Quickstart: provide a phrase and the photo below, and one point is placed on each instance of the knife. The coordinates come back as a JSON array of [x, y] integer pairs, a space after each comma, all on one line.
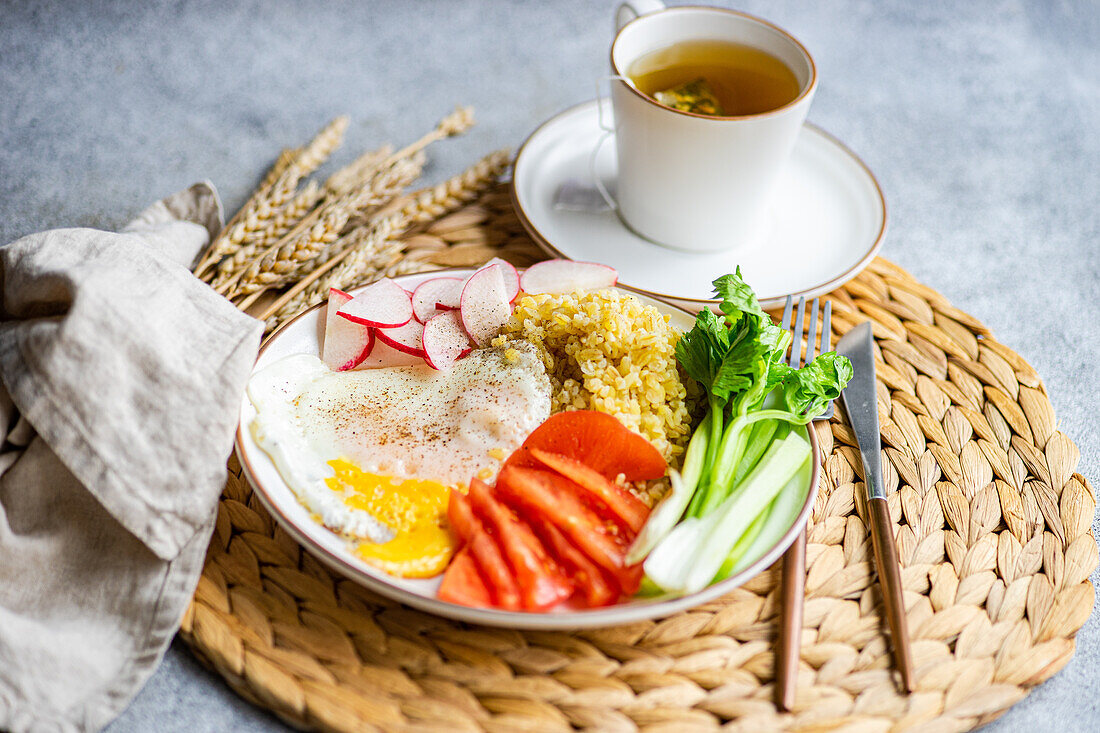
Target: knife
[[861, 404]]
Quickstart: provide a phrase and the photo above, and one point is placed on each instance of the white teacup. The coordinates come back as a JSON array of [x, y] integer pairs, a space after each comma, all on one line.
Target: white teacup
[[694, 182]]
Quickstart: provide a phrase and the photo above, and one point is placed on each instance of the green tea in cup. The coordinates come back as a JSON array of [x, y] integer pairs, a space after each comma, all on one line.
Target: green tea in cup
[[715, 77]]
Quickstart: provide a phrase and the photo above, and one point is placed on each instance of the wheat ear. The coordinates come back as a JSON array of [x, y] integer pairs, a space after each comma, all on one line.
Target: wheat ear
[[307, 240], [423, 207], [360, 262], [280, 225], [286, 157], [358, 172], [293, 257], [270, 197], [456, 123], [217, 246]]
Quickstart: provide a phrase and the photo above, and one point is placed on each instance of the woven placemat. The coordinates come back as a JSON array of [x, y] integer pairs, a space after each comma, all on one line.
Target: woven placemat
[[993, 536]]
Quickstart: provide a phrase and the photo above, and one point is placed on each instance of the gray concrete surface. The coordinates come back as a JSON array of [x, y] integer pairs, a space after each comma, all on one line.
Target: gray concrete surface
[[981, 121]]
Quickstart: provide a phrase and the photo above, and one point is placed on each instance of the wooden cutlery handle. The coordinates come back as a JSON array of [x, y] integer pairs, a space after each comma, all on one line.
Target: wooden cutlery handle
[[790, 629], [889, 573]]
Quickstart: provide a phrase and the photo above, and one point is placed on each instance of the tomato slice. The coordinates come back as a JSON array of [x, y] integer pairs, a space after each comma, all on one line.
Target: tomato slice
[[460, 516], [627, 509], [490, 562], [541, 582], [545, 495], [597, 440], [463, 584], [630, 579], [587, 576]]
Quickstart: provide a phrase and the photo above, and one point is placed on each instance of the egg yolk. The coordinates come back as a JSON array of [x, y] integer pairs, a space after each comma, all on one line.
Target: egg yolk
[[415, 509]]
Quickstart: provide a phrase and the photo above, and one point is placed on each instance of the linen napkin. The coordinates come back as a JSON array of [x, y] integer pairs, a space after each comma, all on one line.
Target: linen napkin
[[120, 382]]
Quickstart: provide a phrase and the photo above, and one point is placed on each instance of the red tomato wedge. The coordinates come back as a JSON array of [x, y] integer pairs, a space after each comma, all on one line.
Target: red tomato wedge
[[543, 495], [485, 551], [541, 582], [597, 440], [587, 576], [630, 579], [463, 584], [627, 509], [461, 517]]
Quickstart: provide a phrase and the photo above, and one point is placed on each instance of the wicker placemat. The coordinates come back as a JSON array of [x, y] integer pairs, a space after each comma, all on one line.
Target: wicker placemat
[[993, 535]]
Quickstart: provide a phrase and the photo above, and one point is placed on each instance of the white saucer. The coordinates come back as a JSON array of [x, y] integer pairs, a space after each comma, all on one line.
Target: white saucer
[[828, 218]]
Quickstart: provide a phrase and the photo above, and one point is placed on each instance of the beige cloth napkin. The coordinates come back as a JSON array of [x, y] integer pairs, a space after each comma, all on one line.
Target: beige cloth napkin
[[120, 382]]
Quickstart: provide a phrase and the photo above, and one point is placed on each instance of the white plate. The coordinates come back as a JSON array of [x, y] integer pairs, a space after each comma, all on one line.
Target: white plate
[[827, 220], [303, 336]]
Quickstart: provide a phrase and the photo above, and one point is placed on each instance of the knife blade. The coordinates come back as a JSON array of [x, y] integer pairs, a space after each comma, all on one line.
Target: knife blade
[[861, 403]]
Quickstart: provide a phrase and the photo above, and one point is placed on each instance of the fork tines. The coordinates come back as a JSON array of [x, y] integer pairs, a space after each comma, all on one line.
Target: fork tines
[[792, 321]]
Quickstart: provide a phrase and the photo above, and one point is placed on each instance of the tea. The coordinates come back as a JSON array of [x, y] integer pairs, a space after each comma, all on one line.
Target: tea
[[715, 78]]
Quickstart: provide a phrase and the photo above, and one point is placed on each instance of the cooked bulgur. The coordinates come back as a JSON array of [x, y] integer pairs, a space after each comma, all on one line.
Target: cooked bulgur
[[607, 351]]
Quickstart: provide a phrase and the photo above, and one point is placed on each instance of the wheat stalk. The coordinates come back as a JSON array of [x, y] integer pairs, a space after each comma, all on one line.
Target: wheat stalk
[[377, 245], [434, 202], [287, 218], [286, 157], [456, 123], [269, 198], [357, 267], [358, 172], [219, 246], [307, 245], [344, 181], [322, 146], [366, 259], [264, 231], [272, 196], [295, 256]]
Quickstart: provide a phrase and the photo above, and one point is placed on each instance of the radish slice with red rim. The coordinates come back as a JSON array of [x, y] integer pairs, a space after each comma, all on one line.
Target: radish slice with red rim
[[382, 304], [510, 275], [430, 294], [384, 355], [408, 338], [346, 343], [445, 341], [485, 307], [555, 277]]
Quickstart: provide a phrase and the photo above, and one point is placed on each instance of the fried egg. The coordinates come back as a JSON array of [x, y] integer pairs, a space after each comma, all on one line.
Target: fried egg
[[374, 453]]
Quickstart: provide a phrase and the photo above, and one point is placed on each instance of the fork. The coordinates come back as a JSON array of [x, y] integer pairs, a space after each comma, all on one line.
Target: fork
[[794, 560]]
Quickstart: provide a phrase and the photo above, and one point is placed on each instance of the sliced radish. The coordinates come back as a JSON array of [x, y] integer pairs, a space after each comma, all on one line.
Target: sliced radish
[[430, 293], [565, 276], [445, 341], [407, 338], [346, 344], [485, 307], [383, 304], [384, 355], [511, 277]]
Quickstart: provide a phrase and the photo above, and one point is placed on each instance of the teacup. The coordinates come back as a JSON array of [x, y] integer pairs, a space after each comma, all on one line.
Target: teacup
[[690, 181]]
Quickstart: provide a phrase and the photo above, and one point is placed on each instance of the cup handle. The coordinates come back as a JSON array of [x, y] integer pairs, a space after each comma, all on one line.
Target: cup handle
[[596, 180], [631, 9], [599, 97]]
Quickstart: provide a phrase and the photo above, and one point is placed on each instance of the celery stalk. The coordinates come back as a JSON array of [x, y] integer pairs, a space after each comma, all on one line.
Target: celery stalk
[[760, 487], [743, 544], [690, 556], [760, 437], [777, 520], [683, 487]]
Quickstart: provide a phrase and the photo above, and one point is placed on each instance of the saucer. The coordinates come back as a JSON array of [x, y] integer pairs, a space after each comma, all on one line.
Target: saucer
[[826, 223]]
